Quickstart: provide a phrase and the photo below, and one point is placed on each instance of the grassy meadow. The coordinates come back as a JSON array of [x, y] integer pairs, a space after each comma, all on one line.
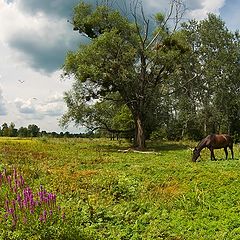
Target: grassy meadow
[[104, 193]]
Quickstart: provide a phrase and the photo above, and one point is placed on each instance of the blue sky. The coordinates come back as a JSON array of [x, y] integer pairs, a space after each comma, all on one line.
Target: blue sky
[[230, 14], [34, 39]]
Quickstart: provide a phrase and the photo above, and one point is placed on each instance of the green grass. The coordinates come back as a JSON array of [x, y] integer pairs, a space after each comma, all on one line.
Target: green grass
[[107, 194]]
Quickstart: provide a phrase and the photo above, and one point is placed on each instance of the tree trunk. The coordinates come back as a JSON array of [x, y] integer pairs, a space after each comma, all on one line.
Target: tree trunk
[[139, 132]]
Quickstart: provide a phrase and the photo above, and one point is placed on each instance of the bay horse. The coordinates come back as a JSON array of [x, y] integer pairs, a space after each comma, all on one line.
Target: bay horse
[[214, 141]]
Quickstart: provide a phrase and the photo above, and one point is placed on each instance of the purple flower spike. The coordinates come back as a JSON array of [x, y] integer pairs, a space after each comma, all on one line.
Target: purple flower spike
[[45, 215], [19, 197], [22, 181], [11, 211], [9, 179], [14, 204], [7, 205]]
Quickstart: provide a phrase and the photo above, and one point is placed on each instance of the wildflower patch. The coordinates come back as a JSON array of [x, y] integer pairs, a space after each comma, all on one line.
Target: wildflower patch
[[20, 205]]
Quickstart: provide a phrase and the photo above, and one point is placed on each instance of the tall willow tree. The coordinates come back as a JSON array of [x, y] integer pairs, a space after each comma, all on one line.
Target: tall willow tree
[[125, 56]]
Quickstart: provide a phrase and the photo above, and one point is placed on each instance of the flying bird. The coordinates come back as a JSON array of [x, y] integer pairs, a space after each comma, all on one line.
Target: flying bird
[[21, 81]]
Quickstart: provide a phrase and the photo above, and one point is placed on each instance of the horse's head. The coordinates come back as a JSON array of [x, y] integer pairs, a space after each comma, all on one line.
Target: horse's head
[[196, 154]]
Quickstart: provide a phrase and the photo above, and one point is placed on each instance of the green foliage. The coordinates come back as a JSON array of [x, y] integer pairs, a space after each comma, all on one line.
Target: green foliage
[[212, 96], [10, 131], [160, 18], [94, 22]]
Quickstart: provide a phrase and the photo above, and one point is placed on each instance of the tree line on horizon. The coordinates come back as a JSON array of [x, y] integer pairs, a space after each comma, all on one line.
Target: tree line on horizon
[[32, 130]]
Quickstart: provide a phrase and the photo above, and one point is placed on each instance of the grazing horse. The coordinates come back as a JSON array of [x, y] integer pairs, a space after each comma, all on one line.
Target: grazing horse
[[214, 141]]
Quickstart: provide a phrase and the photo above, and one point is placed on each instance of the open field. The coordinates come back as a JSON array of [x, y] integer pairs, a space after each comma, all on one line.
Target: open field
[[107, 194]]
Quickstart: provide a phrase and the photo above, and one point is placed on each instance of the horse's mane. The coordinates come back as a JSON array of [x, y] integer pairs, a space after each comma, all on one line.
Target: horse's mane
[[202, 142]]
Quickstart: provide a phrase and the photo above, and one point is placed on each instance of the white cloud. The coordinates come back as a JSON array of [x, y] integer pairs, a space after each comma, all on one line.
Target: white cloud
[[54, 106], [25, 106], [57, 97], [197, 9], [207, 6], [3, 110], [51, 109], [36, 39]]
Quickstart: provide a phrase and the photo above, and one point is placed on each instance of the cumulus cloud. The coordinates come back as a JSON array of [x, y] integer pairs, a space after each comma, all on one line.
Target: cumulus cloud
[[51, 109], [25, 106], [57, 97], [200, 8], [60, 8], [193, 4], [53, 106], [40, 39]]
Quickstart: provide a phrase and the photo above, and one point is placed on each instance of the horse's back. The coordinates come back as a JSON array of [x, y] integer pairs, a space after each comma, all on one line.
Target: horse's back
[[220, 140]]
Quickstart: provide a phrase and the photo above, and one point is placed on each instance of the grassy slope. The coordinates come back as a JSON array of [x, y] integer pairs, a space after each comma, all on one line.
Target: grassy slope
[[115, 195]]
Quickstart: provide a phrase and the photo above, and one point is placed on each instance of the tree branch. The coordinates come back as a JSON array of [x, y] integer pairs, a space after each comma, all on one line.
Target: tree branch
[[183, 86], [177, 5]]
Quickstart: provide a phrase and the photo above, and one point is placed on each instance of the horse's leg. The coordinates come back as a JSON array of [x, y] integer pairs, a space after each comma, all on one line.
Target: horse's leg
[[231, 148], [226, 152], [212, 154]]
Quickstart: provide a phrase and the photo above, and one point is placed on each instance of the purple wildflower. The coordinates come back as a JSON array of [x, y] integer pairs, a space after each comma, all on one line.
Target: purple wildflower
[[11, 211], [19, 205], [50, 212], [45, 215], [9, 179], [19, 200], [7, 205], [21, 181]]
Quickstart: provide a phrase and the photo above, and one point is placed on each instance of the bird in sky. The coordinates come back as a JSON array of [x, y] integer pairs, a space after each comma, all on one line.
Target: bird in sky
[[21, 81]]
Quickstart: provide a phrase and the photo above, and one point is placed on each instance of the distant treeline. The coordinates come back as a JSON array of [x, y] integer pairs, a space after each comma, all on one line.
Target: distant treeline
[[33, 130]]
